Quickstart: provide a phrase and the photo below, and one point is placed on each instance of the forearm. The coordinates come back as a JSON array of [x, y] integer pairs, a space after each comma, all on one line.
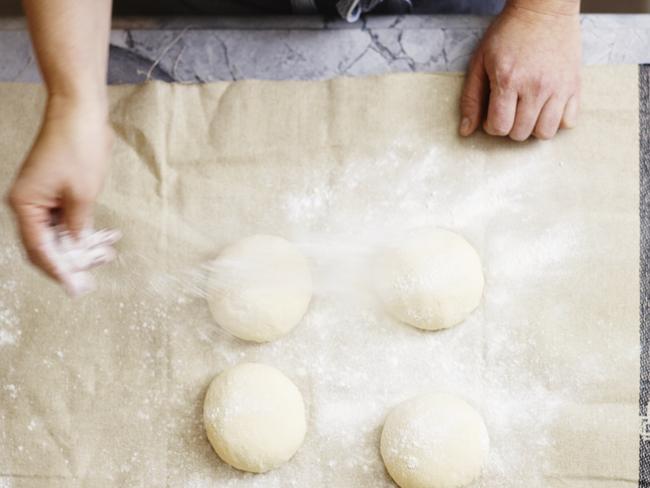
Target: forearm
[[70, 38], [548, 7]]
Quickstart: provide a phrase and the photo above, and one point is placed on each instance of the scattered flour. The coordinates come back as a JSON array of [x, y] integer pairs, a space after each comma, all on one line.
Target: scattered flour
[[352, 363], [10, 330]]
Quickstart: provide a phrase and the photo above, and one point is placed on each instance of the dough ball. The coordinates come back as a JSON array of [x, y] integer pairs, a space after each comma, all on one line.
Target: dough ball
[[259, 288], [254, 417], [432, 279], [434, 441]]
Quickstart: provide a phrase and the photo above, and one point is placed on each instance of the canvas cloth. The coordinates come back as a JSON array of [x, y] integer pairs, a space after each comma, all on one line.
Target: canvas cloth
[[106, 391]]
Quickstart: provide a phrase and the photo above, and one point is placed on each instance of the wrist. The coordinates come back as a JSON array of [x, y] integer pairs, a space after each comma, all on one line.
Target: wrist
[[93, 107], [546, 7]]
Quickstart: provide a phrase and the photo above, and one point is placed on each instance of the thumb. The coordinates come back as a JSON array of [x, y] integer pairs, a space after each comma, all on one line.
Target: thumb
[[77, 214], [472, 99], [570, 116]]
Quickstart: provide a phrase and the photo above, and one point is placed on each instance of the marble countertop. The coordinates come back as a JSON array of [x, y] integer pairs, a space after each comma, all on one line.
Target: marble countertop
[[194, 50]]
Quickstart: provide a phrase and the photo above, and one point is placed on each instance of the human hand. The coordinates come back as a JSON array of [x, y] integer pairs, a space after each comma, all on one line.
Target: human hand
[[61, 177], [74, 257], [524, 78]]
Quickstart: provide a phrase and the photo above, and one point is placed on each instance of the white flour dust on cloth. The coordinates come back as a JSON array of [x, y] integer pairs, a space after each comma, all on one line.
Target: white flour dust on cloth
[[353, 363], [10, 330]]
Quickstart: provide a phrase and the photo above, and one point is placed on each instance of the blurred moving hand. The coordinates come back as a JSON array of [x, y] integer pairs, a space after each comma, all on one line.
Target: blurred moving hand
[[524, 78], [61, 176], [57, 184]]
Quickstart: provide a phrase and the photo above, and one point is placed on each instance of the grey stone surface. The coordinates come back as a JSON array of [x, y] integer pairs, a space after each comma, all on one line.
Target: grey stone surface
[[207, 49]]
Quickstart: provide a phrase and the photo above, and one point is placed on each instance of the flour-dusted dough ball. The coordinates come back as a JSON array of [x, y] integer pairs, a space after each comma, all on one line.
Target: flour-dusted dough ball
[[431, 279], [259, 288], [434, 440], [254, 417]]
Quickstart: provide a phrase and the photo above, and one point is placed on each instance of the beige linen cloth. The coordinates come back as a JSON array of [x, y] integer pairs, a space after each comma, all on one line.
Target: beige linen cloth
[[106, 391]]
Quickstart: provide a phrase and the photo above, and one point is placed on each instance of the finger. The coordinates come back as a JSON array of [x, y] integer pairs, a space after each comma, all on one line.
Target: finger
[[77, 215], [104, 237], [528, 110], [472, 100], [550, 117], [93, 258], [78, 284], [570, 116], [37, 238], [501, 111]]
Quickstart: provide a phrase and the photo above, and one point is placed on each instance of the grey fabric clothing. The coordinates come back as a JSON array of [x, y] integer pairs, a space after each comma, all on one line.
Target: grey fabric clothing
[[350, 10], [304, 6], [475, 7]]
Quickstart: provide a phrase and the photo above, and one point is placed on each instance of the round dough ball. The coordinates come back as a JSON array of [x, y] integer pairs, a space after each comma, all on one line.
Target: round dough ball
[[259, 288], [431, 280], [434, 440], [254, 417]]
